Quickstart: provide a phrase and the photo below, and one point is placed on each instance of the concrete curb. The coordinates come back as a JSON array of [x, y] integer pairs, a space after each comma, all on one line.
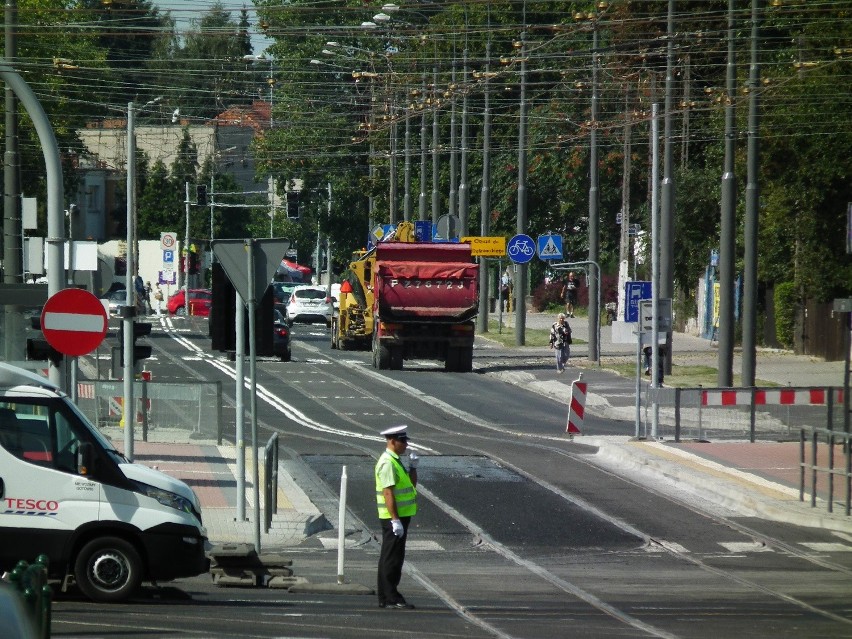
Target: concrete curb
[[741, 492]]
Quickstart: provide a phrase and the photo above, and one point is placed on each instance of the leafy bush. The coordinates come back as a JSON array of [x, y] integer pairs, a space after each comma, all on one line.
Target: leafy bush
[[547, 296], [785, 313]]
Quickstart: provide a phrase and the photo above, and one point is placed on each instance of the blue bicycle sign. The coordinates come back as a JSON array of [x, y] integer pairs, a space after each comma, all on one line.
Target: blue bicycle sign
[[521, 249]]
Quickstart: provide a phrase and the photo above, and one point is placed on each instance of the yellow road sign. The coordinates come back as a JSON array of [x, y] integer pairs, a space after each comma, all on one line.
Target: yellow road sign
[[486, 246]]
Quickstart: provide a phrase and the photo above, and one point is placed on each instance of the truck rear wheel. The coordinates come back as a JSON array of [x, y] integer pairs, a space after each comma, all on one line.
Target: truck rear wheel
[[108, 569], [396, 358], [451, 364], [465, 359]]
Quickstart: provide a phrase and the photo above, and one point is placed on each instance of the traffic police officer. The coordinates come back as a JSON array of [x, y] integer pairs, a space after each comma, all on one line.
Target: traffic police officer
[[396, 499]]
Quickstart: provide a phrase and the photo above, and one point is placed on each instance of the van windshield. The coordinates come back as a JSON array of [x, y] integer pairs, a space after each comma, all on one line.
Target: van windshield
[[47, 433]]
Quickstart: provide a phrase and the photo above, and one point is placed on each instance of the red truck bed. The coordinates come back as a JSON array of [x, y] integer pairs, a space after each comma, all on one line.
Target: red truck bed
[[426, 282]]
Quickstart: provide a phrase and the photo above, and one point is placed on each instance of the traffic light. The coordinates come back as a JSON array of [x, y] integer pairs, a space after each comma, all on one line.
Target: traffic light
[[39, 350], [140, 351], [201, 194], [293, 205]]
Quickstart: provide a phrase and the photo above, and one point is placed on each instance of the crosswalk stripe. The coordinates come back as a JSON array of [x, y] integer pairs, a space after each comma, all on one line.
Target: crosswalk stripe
[[826, 546]]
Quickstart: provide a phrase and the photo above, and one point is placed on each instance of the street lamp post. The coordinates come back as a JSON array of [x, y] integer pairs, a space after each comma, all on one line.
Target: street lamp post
[[129, 310]]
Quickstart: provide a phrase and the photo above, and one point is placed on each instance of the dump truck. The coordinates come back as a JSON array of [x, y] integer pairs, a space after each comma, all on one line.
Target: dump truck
[[410, 300]]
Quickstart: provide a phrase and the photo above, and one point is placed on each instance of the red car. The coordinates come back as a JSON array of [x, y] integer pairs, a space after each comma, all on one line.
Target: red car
[[200, 300]]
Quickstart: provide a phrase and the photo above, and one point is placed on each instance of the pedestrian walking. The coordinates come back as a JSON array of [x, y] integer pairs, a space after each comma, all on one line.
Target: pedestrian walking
[[396, 498], [560, 341], [148, 297], [158, 299], [569, 294]]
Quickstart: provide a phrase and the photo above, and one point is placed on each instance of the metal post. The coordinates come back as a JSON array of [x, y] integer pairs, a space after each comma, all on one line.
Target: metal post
[[655, 269], [520, 288], [240, 417], [53, 170], [421, 201], [749, 354], [406, 197], [130, 309], [464, 196], [453, 197], [667, 193], [252, 303], [594, 196], [727, 247], [186, 253], [638, 393], [341, 526], [393, 203], [485, 200], [436, 158]]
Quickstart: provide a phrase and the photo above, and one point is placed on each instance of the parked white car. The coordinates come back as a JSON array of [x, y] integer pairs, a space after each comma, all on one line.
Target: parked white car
[[309, 304]]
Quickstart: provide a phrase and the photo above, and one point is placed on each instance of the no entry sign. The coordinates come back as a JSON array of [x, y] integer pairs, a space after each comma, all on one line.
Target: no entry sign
[[74, 322]]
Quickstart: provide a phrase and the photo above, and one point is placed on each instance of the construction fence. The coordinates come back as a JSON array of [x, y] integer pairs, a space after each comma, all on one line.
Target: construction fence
[[174, 408], [771, 414]]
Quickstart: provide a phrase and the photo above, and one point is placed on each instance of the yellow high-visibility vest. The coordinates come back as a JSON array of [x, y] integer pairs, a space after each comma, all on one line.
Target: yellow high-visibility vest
[[403, 491]]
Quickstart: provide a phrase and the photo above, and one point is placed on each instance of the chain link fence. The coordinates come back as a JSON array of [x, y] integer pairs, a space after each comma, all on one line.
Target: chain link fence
[[188, 410]]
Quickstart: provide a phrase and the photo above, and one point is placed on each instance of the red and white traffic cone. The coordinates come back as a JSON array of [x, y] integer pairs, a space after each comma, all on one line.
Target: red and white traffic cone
[[577, 409]]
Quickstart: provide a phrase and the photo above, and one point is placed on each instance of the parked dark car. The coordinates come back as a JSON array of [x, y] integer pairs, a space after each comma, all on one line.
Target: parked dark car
[[281, 337]]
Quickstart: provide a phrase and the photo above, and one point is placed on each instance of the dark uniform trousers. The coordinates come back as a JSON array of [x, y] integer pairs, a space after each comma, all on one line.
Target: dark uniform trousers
[[390, 562]]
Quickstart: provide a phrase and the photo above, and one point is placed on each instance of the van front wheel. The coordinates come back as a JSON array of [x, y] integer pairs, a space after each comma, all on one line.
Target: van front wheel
[[108, 569]]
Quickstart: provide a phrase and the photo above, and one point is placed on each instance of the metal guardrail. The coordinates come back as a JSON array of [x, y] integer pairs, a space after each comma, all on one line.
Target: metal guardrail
[[746, 413], [270, 487], [812, 466]]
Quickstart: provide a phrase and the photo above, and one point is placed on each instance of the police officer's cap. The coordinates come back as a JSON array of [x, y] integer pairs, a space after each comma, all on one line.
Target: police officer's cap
[[396, 432]]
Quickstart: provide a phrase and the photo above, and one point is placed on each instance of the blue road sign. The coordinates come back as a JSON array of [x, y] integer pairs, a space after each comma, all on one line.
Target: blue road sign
[[550, 247], [423, 230], [521, 249], [168, 257], [635, 292]]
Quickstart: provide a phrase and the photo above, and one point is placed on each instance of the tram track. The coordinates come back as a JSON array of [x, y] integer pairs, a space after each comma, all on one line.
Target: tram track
[[481, 441]]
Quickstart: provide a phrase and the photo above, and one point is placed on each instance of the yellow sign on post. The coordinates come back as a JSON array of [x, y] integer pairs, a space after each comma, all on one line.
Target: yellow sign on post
[[486, 246]]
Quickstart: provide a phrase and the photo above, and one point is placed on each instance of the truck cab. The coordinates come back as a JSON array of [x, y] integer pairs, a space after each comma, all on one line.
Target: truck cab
[[105, 524]]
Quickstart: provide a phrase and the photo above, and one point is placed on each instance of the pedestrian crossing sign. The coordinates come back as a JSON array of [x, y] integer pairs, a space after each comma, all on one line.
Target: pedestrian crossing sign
[[550, 247]]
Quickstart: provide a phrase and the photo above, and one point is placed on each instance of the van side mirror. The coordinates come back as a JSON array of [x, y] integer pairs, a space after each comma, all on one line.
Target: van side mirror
[[85, 459]]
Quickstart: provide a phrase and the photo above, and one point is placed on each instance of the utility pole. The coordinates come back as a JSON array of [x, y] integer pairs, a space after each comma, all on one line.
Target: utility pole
[[129, 406], [11, 252], [520, 280], [624, 239], [728, 227], [594, 233], [406, 201], [668, 189], [421, 202], [436, 158], [752, 214], [485, 194], [453, 199], [464, 196]]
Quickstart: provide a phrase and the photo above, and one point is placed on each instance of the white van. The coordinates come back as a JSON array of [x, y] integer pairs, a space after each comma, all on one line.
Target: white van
[[66, 492]]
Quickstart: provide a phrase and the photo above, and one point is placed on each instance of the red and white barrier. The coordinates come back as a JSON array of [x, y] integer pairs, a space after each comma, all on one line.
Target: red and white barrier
[[772, 397], [577, 409]]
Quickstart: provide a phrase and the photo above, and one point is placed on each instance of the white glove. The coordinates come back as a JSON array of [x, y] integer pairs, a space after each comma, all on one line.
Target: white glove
[[413, 459], [398, 530]]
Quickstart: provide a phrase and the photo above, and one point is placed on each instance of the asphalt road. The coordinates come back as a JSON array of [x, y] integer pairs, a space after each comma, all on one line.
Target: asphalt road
[[519, 533]]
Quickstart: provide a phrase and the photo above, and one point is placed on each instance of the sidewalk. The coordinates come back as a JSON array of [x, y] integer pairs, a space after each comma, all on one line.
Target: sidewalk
[[754, 479]]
